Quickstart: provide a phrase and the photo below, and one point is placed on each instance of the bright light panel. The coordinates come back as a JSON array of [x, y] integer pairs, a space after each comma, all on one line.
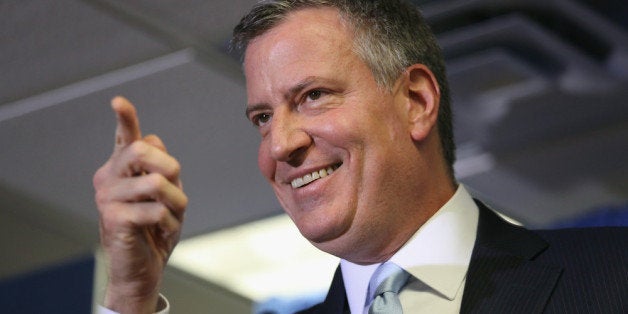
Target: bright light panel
[[258, 260]]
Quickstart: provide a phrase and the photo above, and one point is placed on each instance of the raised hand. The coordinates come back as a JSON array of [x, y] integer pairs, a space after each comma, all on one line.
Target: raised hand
[[141, 205]]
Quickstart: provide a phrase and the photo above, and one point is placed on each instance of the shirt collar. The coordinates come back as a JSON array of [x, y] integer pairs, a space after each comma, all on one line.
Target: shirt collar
[[438, 254]]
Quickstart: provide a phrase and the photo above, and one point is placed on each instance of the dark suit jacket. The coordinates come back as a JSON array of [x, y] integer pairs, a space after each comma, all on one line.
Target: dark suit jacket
[[514, 270]]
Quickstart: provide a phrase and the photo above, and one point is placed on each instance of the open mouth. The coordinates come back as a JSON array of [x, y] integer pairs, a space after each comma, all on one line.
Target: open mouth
[[311, 177]]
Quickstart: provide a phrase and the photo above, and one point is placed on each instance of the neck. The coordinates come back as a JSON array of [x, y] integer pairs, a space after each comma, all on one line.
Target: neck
[[405, 226]]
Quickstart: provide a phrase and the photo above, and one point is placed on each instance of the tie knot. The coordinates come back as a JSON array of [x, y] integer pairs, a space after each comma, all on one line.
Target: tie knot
[[388, 277], [385, 283]]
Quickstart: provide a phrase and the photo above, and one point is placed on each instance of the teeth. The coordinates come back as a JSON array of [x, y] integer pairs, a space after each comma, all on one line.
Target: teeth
[[322, 173], [308, 178]]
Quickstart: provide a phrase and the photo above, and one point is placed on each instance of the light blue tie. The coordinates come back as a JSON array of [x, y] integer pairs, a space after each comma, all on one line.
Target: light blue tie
[[384, 287]]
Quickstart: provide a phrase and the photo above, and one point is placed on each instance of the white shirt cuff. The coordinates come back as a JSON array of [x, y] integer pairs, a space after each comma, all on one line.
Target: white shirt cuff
[[163, 307]]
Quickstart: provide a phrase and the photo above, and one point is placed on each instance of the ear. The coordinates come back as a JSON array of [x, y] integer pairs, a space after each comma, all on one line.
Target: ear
[[422, 96]]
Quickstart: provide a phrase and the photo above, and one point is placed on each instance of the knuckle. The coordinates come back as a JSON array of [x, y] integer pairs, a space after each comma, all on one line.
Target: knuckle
[[137, 150], [156, 181], [129, 218], [162, 213], [176, 168], [100, 176], [101, 196], [178, 207]]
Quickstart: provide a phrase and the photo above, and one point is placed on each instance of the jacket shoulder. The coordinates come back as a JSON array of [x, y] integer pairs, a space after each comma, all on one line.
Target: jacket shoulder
[[596, 250]]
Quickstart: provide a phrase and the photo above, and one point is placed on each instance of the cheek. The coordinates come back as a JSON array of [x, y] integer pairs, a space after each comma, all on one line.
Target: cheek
[[339, 129]]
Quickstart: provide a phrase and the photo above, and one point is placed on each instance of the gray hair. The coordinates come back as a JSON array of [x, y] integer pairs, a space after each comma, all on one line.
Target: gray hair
[[389, 36]]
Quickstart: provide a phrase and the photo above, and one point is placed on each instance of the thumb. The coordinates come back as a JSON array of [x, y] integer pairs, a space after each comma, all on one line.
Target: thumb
[[155, 141], [128, 126]]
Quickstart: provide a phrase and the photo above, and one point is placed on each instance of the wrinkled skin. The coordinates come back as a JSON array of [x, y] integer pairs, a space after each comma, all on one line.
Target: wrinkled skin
[[141, 205]]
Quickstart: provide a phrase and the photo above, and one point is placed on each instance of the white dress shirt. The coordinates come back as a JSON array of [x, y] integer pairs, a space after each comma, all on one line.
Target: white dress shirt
[[437, 256]]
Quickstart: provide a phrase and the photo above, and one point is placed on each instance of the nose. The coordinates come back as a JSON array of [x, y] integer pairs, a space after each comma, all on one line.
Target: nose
[[288, 138]]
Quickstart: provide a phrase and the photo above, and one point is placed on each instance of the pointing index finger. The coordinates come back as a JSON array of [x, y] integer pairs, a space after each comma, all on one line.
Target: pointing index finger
[[128, 127]]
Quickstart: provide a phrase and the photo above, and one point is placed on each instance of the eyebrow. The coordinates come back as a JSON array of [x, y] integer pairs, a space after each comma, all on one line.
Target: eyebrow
[[300, 86], [255, 107], [297, 88]]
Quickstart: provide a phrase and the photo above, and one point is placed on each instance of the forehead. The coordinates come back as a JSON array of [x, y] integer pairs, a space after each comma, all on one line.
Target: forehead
[[316, 28], [310, 44]]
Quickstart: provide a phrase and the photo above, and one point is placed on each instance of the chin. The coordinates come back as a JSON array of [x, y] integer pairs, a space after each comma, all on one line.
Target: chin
[[320, 231], [338, 246], [314, 233]]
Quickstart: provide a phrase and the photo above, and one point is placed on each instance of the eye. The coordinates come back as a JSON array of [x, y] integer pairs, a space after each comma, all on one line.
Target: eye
[[314, 95], [261, 119]]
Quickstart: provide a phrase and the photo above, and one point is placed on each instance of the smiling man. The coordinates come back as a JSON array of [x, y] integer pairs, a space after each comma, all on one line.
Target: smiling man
[[350, 100], [320, 111]]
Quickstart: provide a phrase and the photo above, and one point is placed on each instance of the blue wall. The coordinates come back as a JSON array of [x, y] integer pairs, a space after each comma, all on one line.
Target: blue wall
[[65, 288]]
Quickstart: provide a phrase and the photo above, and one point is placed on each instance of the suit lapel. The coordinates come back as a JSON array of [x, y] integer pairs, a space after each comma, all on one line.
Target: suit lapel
[[336, 300], [502, 276]]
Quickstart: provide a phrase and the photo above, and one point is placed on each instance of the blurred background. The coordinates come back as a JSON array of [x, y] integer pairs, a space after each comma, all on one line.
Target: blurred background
[[539, 91]]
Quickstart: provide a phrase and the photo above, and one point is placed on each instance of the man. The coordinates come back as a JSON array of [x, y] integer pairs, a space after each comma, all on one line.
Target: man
[[351, 102]]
